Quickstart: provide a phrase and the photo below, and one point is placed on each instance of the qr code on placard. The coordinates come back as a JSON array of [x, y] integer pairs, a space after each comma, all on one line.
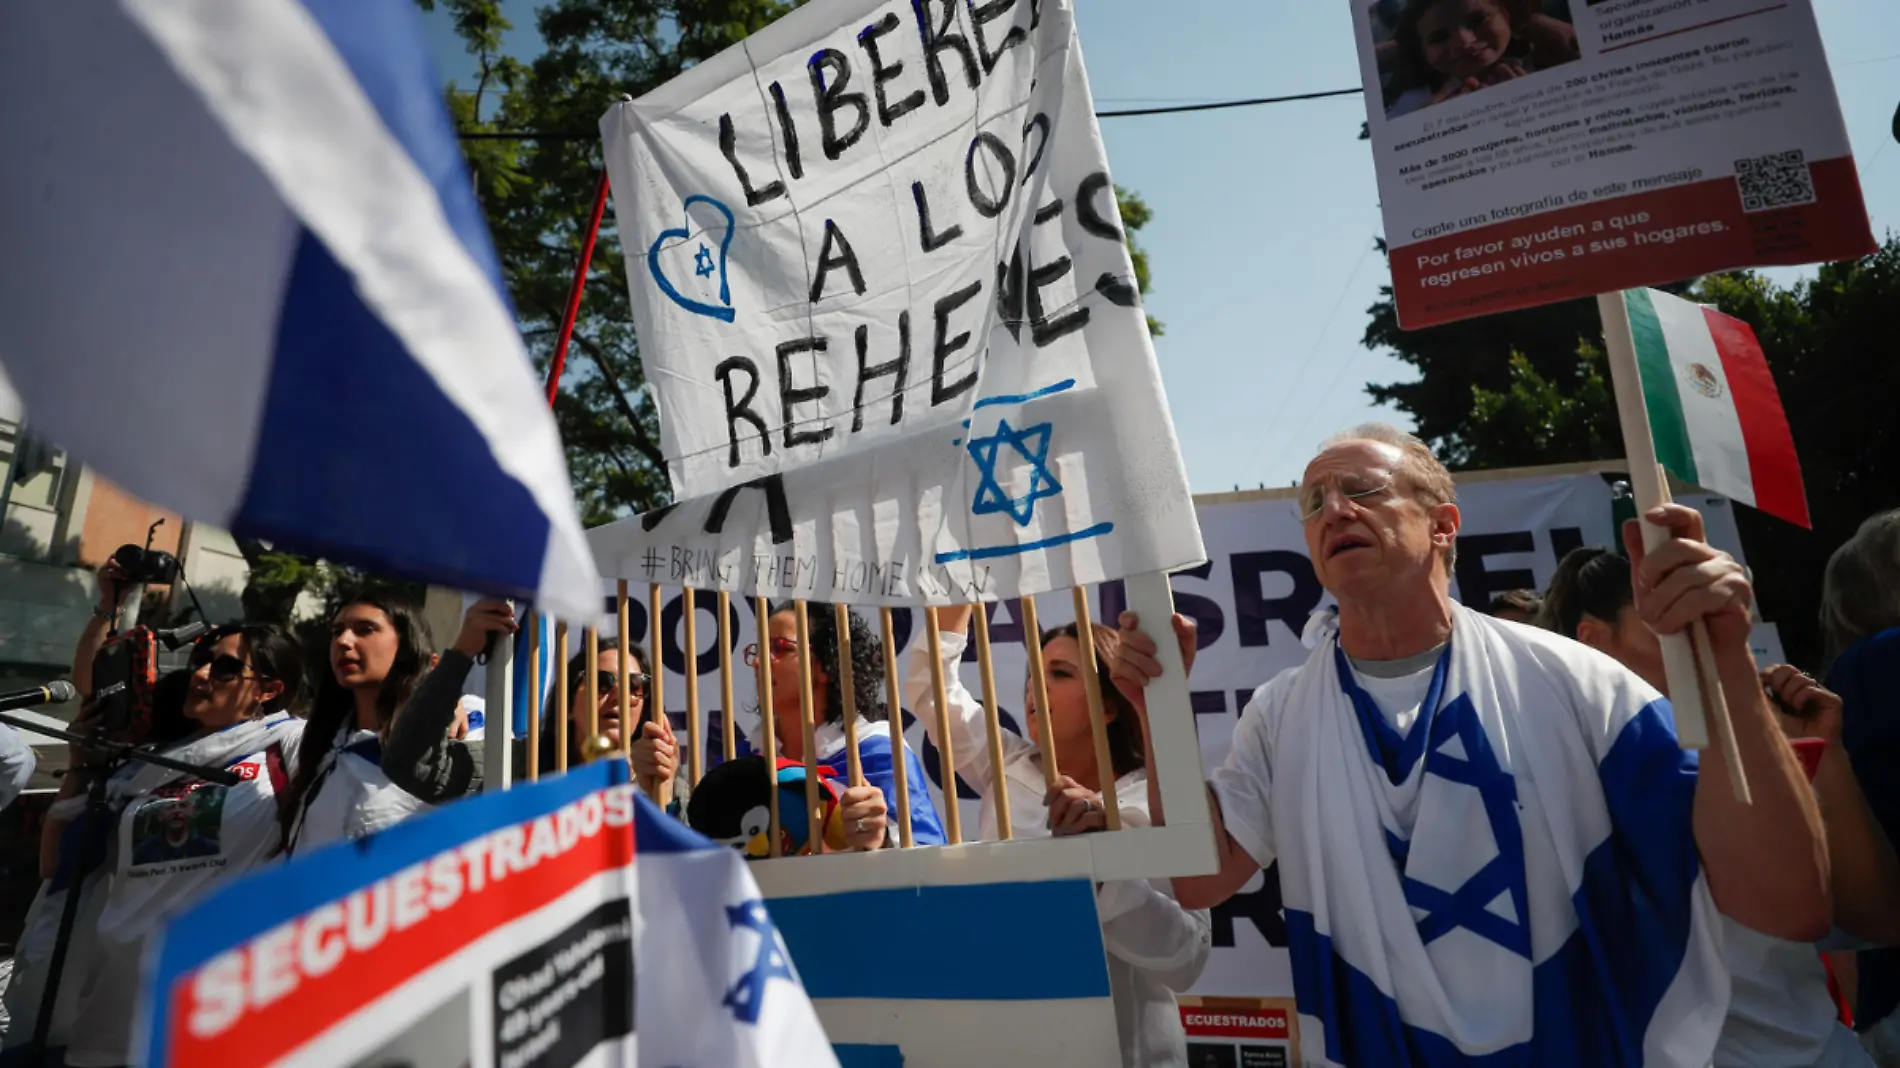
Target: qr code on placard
[[1777, 180]]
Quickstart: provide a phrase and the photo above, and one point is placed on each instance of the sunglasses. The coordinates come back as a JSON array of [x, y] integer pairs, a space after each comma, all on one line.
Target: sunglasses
[[609, 683], [781, 648], [224, 667]]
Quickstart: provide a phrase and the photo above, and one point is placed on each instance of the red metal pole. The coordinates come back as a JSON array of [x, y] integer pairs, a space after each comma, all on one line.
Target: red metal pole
[[580, 285]]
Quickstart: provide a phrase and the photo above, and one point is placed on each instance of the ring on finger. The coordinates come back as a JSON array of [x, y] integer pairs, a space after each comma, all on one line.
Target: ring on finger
[[860, 824]]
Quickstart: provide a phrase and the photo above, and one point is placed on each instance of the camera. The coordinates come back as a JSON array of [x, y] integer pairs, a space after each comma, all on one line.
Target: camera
[[149, 566]]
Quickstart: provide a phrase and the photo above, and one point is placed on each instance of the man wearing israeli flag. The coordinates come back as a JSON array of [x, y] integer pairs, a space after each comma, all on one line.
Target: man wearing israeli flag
[[1491, 848]]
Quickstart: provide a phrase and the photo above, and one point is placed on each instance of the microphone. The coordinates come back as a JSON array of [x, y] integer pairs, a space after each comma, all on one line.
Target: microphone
[[53, 693]]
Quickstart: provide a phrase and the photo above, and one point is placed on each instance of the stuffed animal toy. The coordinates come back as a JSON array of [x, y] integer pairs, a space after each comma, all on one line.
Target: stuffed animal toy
[[731, 805]]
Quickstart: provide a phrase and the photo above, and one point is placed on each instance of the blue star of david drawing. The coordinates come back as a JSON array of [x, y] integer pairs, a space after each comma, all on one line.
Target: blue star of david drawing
[[1032, 444], [703, 262], [747, 997], [1465, 906]]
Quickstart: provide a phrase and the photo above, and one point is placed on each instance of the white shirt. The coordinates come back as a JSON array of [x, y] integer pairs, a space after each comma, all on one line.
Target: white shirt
[[1780, 1014], [353, 798], [1155, 947], [232, 830]]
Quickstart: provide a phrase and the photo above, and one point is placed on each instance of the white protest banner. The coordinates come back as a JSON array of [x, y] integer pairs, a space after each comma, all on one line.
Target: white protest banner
[[886, 310], [1532, 151]]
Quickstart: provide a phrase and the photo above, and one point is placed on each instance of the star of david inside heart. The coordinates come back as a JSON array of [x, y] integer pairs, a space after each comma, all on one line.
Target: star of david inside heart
[[689, 263]]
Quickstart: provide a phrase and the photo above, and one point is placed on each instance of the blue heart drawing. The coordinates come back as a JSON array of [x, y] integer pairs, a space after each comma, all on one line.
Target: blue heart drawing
[[715, 311]]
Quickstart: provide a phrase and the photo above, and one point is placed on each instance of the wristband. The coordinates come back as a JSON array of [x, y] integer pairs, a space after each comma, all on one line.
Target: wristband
[[105, 614]]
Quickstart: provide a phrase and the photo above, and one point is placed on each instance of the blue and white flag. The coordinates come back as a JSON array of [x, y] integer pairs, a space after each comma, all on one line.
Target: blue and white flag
[[718, 971], [248, 279], [1509, 878]]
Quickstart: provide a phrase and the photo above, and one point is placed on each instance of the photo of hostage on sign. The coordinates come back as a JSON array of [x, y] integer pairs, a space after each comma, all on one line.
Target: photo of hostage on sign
[[1431, 51], [1531, 151]]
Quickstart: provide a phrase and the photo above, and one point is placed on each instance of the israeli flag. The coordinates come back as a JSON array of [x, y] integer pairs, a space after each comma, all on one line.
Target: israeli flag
[[727, 992], [248, 279]]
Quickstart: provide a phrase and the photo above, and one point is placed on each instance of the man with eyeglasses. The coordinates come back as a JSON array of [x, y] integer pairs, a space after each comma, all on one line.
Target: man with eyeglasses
[[1489, 844]]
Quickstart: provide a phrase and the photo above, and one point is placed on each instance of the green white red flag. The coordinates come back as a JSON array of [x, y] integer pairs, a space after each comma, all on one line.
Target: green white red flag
[[1713, 409]]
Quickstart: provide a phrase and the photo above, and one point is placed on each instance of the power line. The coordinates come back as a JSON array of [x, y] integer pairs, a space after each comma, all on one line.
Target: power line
[[1124, 113], [1175, 109]]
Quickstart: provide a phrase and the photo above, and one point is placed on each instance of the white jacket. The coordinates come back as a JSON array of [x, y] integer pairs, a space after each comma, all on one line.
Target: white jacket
[[1156, 948]]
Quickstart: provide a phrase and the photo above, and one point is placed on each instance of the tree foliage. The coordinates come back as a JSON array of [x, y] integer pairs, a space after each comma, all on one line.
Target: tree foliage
[[1531, 387]]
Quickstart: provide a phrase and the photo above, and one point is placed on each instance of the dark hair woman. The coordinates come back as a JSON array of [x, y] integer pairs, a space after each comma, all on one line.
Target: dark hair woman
[[1156, 948], [866, 809], [176, 834], [380, 649], [613, 660], [1590, 599]]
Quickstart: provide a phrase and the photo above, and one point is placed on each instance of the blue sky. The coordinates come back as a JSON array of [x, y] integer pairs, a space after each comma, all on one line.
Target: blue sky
[[1261, 240]]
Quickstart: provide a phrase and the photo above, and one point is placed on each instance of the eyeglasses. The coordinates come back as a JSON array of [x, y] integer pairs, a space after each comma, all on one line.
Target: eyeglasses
[[224, 667], [609, 682], [1354, 488], [781, 648]]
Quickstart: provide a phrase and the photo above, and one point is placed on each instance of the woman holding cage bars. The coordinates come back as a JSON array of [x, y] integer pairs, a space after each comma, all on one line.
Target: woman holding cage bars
[[1156, 948], [656, 754]]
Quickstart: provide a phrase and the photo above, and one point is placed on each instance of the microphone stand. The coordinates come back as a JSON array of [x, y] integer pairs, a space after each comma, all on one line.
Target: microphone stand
[[117, 754]]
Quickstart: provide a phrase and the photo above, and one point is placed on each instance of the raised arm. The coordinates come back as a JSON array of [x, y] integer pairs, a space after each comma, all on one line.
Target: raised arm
[[1767, 862], [969, 734], [421, 755], [113, 588], [1133, 666]]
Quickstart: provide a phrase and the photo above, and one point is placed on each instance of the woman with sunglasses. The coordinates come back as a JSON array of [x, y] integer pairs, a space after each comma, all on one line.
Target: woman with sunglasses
[[175, 834], [866, 809], [613, 660], [1156, 948]]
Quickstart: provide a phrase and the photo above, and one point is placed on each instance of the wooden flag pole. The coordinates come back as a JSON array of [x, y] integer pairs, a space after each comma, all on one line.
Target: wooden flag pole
[[992, 721], [894, 700], [728, 743], [1719, 720], [1098, 715], [624, 690], [656, 684], [1693, 710], [1039, 685], [814, 806], [946, 748], [592, 640], [768, 721], [847, 689]]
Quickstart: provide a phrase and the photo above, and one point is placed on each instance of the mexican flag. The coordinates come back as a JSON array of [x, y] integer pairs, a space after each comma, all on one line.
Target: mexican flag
[[1713, 410]]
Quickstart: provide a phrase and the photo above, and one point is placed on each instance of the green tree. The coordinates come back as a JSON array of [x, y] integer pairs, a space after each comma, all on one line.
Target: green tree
[[1531, 387], [1135, 214]]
